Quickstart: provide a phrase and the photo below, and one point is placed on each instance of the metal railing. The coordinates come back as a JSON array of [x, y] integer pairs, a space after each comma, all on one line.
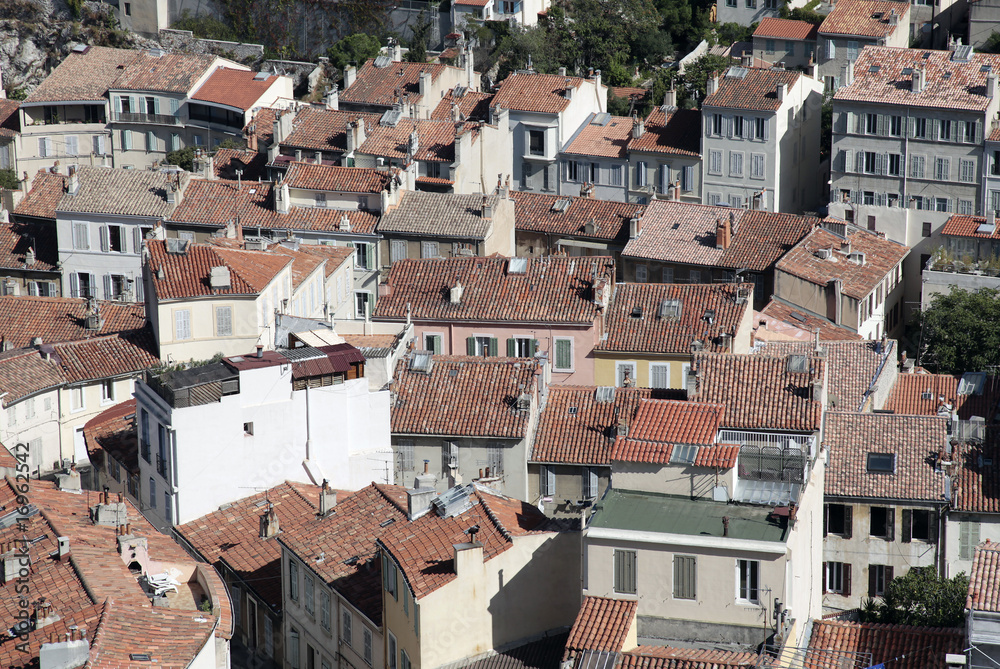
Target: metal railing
[[162, 467], [155, 119]]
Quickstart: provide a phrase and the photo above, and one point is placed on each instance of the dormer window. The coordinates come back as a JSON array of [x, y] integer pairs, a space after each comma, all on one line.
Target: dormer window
[[684, 454], [881, 463]]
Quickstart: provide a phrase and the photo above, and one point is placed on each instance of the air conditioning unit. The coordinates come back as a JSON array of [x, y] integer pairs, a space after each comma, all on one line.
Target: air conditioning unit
[[823, 254]]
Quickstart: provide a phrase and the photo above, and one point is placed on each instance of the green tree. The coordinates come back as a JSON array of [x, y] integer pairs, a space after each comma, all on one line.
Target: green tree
[[205, 26], [960, 331], [921, 597], [418, 42], [356, 48], [992, 44], [728, 33], [8, 180], [801, 14], [694, 82], [184, 158]]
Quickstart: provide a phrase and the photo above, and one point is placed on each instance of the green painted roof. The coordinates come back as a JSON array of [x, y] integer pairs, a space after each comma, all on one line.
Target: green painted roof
[[651, 512]]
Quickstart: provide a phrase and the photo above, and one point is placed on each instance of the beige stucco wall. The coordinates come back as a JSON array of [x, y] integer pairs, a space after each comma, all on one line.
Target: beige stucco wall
[[203, 343], [670, 479], [810, 296]]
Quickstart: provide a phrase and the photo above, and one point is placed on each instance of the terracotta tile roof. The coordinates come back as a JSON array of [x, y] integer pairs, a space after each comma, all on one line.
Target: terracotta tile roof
[[542, 93], [23, 372], [651, 332], [234, 88], [976, 486], [681, 232], [435, 140], [908, 396], [537, 212], [666, 657], [717, 456], [187, 275], [880, 258], [543, 653], [59, 319], [341, 179], [303, 263], [659, 425], [463, 395], [107, 357], [968, 226], [759, 391], [213, 202], [984, 581], [865, 18], [763, 237], [316, 129], [628, 92], [779, 313], [914, 440], [335, 256], [17, 238], [230, 537], [172, 638], [105, 190], [252, 163], [756, 90], [46, 191], [551, 290], [475, 106], [7, 459], [963, 89], [83, 616], [851, 366], [84, 77], [261, 126], [424, 548], [113, 432], [609, 139], [440, 214], [346, 539], [576, 428], [10, 122], [169, 73], [770, 26], [378, 86], [601, 624], [904, 646], [676, 132]]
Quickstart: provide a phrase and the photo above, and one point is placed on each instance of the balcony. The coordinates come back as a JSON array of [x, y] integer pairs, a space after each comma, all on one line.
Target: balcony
[[146, 119], [162, 467]]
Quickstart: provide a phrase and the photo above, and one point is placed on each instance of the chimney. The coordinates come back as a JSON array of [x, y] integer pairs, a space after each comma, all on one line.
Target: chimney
[[73, 182], [833, 301], [63, 548], [332, 98], [848, 73], [670, 99], [269, 523], [455, 296], [638, 126], [816, 390], [350, 74], [260, 351], [70, 480], [917, 79], [712, 85], [991, 85], [723, 233], [281, 204], [991, 217], [677, 190], [893, 17], [425, 83], [725, 526], [782, 92], [634, 227], [395, 50], [691, 382], [327, 499], [562, 71], [817, 349], [468, 557], [569, 90], [470, 72], [64, 654], [487, 210]]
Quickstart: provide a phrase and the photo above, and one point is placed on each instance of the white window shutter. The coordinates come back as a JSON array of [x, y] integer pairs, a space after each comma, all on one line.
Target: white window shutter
[[550, 481], [136, 240], [32, 288], [74, 285], [93, 285], [108, 295], [105, 238], [156, 105], [593, 480], [139, 295]]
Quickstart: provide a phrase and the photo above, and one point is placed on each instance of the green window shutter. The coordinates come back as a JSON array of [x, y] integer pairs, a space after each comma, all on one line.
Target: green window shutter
[[470, 345], [436, 343], [511, 347], [494, 348], [156, 105], [532, 347]]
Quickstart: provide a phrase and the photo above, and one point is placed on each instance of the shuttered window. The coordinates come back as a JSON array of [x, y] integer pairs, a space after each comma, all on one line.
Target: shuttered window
[[404, 456], [968, 539], [494, 459], [547, 481], [659, 375], [72, 145], [81, 236], [346, 633], [590, 482], [223, 321], [564, 354], [625, 572], [397, 250], [182, 323], [685, 577]]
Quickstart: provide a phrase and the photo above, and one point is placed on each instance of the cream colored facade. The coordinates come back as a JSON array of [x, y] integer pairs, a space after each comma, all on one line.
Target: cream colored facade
[[531, 588], [68, 133]]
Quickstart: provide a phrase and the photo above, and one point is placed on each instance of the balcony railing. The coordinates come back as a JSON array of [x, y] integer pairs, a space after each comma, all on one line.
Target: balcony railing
[[162, 467], [154, 119]]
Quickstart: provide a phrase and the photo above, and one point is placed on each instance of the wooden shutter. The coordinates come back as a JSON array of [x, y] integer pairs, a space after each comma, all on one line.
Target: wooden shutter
[[494, 348], [436, 344], [888, 576], [593, 480], [74, 285], [511, 347], [890, 524], [872, 581], [848, 521], [532, 347], [550, 480], [826, 567], [826, 519], [105, 238], [108, 295], [470, 345], [932, 522], [847, 579], [907, 526]]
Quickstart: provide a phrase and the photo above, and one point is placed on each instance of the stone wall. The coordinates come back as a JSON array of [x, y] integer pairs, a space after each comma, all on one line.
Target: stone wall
[[185, 41]]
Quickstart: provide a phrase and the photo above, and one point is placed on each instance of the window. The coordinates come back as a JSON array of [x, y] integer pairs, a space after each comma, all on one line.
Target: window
[[319, 200], [76, 398], [72, 145], [717, 125], [917, 167], [482, 346], [168, 508], [81, 236], [11, 416], [293, 581], [879, 576], [920, 128], [616, 175], [760, 128], [895, 162], [971, 128], [520, 347], [547, 481], [685, 577], [625, 572], [967, 171], [942, 169], [494, 459], [346, 633], [363, 256], [397, 250], [293, 648], [404, 457], [128, 9], [919, 524], [870, 162], [572, 171], [837, 578], [390, 661], [624, 374], [683, 454], [308, 595], [736, 163], [640, 174], [871, 124], [659, 375], [748, 573], [965, 207], [324, 610], [248, 429], [29, 408], [751, 4], [590, 482], [152, 493], [175, 142], [595, 173], [882, 462], [641, 273], [126, 138], [883, 522], [944, 130], [868, 197], [838, 519], [694, 275], [536, 142], [738, 126], [430, 250], [198, 141], [361, 304], [852, 50], [790, 48], [715, 161], [368, 646], [150, 140], [926, 229], [896, 126], [757, 165], [404, 660], [563, 355], [432, 343], [389, 581], [182, 324], [668, 275], [144, 434], [968, 539]]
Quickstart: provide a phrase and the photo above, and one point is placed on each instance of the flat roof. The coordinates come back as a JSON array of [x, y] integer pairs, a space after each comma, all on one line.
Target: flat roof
[[670, 514]]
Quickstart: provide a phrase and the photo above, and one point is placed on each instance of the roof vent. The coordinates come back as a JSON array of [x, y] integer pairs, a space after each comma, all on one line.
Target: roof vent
[[671, 309], [856, 257], [517, 266], [798, 364], [523, 402], [345, 223], [177, 246], [799, 316], [422, 361], [709, 316], [220, 278], [261, 76]]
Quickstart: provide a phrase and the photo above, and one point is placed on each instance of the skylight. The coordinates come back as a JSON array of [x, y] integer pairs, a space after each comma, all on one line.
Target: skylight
[[882, 463]]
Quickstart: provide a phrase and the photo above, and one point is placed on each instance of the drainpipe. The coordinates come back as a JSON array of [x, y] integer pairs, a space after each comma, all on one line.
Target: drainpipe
[[308, 427]]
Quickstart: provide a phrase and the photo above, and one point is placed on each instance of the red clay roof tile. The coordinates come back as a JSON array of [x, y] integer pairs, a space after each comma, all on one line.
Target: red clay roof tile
[[984, 581], [61, 319], [378, 86], [771, 26], [904, 646], [601, 624], [865, 18], [756, 89], [609, 139], [542, 93], [674, 132], [234, 88], [187, 274], [537, 212], [341, 179]]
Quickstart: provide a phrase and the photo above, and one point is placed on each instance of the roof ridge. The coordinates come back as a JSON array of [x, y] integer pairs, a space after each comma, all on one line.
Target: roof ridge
[[378, 487], [97, 637], [298, 493], [493, 517]]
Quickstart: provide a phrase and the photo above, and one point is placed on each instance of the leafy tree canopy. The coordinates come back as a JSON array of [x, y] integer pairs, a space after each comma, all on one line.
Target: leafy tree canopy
[[960, 331], [992, 44], [356, 49], [920, 597], [9, 180], [691, 85]]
